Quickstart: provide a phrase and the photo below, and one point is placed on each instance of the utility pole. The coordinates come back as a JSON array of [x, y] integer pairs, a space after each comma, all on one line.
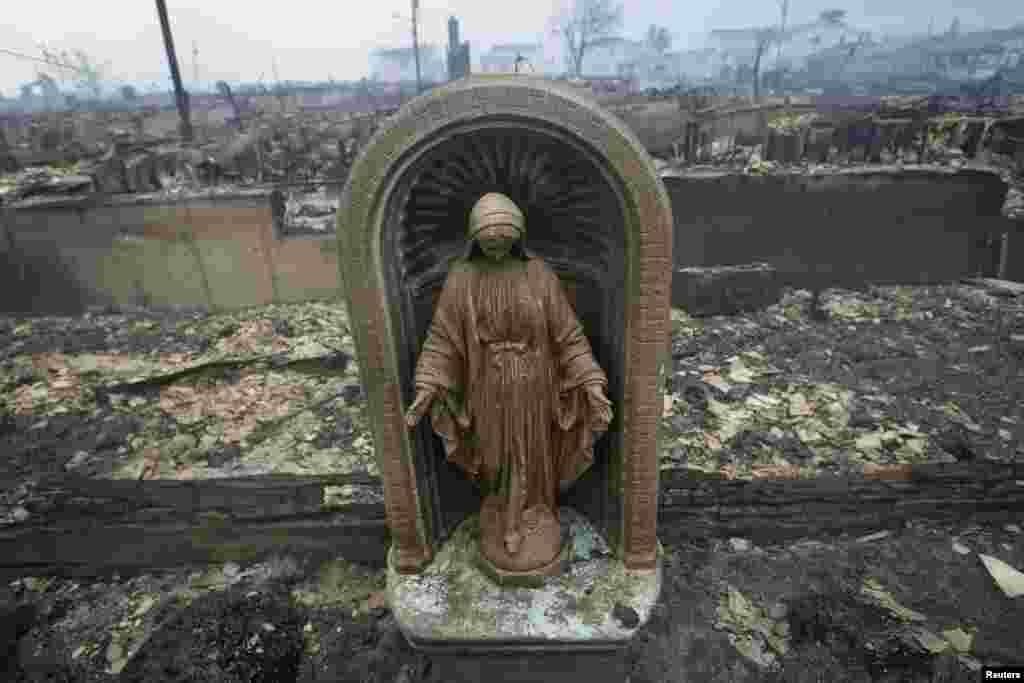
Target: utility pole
[[278, 88], [195, 65], [185, 126], [204, 117], [782, 28], [416, 44]]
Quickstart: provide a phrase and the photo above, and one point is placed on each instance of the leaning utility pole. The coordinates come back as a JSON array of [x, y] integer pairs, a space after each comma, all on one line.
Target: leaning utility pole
[[416, 44], [185, 126]]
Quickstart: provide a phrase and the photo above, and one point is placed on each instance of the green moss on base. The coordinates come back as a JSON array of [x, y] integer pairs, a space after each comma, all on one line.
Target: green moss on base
[[454, 600]]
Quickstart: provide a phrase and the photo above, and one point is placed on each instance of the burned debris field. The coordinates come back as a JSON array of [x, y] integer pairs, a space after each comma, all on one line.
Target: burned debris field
[[868, 385]]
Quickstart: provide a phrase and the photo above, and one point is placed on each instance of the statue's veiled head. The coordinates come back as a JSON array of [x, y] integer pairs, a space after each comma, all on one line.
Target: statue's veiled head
[[497, 225]]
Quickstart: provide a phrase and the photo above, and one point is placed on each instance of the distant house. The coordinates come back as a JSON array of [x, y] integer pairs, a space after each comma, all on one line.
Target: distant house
[[965, 57], [807, 39], [733, 46], [659, 70], [397, 65], [613, 57], [736, 47], [502, 58], [975, 55]]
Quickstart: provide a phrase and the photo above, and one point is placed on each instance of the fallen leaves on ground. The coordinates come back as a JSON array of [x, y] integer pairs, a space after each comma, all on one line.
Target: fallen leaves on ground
[[1009, 579], [752, 631], [877, 593], [767, 394], [877, 387], [265, 389]]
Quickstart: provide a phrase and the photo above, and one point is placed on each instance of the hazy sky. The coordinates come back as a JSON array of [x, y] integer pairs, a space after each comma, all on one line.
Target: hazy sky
[[239, 40]]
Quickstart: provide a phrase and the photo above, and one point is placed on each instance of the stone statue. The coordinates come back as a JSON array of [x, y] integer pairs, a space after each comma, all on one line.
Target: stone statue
[[512, 387]]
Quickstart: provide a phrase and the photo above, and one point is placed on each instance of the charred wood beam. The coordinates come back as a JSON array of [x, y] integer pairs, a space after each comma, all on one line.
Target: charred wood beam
[[86, 549], [82, 527]]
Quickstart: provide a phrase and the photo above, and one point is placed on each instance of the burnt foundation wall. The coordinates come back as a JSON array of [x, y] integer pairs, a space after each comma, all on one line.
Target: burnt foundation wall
[[851, 229], [217, 253], [1015, 255], [841, 229]]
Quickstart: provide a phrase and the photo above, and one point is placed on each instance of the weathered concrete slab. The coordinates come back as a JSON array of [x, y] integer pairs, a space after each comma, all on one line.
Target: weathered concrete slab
[[842, 228], [725, 290]]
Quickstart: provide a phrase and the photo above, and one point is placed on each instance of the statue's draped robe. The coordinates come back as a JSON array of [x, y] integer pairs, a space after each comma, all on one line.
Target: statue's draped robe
[[510, 361]]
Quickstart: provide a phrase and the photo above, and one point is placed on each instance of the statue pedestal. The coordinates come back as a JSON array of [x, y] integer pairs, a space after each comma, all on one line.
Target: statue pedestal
[[575, 626]]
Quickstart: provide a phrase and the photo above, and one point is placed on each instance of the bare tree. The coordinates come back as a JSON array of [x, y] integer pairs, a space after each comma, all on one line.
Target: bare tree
[[863, 39], [763, 39], [59, 63], [225, 91], [584, 22], [832, 16], [659, 39]]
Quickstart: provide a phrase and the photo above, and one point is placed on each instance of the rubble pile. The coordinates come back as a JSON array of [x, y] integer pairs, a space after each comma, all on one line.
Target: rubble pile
[[302, 152], [310, 212], [901, 130]]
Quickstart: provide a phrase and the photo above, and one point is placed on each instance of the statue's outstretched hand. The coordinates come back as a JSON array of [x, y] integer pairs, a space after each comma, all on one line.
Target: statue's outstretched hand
[[419, 407], [600, 407]]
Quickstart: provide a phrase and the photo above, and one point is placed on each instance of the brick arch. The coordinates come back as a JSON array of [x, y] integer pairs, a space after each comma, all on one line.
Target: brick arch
[[379, 318]]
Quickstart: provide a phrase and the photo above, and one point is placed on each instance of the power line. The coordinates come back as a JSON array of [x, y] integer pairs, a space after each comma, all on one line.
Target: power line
[[57, 63], [48, 62]]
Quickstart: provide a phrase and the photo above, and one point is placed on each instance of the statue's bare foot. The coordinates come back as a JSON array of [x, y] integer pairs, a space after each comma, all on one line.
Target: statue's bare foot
[[512, 542]]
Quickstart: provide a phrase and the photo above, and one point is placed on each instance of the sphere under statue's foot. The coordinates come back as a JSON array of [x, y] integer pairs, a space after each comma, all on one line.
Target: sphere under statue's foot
[[512, 542], [533, 551]]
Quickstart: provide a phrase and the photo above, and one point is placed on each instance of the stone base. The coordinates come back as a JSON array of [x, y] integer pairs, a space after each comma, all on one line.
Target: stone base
[[576, 623]]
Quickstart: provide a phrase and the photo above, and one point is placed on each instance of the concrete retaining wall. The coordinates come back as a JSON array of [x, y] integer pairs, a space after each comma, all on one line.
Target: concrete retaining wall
[[847, 229]]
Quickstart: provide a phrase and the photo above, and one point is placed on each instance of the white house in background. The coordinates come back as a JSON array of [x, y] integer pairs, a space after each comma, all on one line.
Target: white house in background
[[396, 65], [502, 58]]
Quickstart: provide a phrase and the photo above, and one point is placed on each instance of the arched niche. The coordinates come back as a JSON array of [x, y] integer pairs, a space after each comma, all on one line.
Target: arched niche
[[598, 214]]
